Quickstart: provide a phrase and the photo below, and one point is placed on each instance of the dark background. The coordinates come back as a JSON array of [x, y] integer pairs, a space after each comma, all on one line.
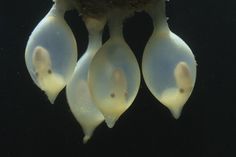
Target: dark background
[[31, 126]]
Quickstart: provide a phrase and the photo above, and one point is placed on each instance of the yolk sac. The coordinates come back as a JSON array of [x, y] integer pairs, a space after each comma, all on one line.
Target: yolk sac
[[52, 47], [175, 98], [169, 66], [114, 75], [77, 90], [48, 81]]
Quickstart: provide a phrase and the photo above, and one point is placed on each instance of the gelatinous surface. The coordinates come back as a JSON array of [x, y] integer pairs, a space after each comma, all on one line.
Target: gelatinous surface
[[114, 78], [169, 67], [77, 90], [53, 40]]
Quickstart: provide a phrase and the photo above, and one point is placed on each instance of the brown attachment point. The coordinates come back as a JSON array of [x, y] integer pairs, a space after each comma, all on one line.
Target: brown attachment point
[[97, 8]]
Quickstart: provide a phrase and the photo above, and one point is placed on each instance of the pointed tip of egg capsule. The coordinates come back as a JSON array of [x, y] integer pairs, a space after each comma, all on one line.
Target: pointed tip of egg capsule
[[86, 138], [176, 111], [112, 115], [174, 101], [110, 121], [52, 85], [51, 96], [89, 127]]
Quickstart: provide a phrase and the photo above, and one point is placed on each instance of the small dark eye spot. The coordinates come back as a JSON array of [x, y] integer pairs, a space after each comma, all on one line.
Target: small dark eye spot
[[126, 94], [36, 74], [112, 95], [181, 90], [49, 71]]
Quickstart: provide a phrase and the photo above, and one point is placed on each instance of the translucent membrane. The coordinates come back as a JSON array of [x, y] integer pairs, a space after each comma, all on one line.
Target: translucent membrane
[[114, 75], [77, 90], [51, 53], [168, 65]]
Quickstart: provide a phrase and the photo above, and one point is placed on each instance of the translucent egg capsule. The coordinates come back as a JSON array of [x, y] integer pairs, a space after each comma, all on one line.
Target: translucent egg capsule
[[114, 75], [169, 66], [51, 52], [77, 90]]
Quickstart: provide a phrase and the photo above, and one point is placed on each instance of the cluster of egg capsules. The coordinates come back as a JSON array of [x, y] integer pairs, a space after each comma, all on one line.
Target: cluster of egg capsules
[[104, 82]]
